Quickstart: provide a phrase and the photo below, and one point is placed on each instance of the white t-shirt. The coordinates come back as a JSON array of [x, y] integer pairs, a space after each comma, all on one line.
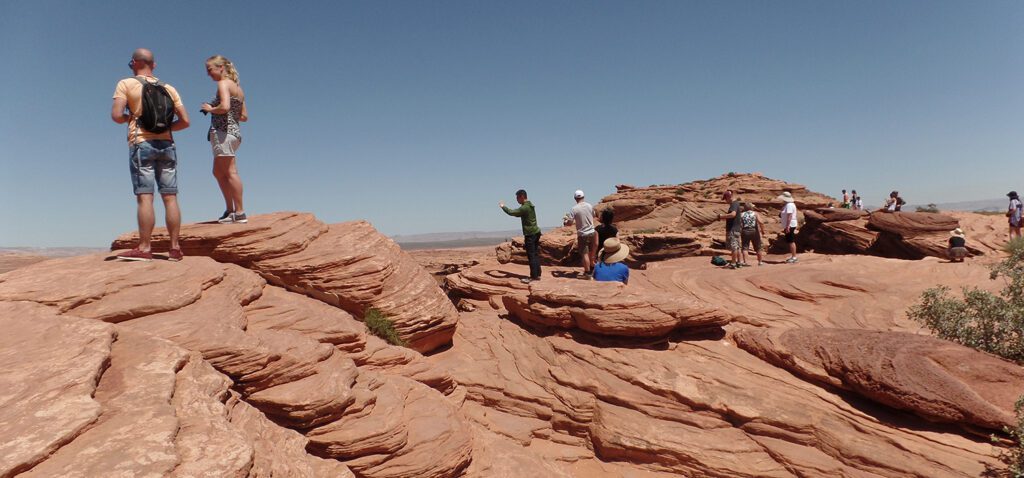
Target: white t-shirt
[[583, 215], [788, 215]]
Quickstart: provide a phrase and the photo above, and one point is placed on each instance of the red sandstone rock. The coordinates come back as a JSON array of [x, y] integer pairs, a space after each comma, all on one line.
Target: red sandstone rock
[[51, 366], [934, 378], [297, 362], [348, 265], [504, 400], [610, 308], [910, 224]]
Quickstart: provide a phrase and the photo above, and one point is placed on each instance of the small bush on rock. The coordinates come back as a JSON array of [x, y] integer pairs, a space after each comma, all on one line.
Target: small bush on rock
[[382, 327], [988, 322], [982, 320], [931, 207]]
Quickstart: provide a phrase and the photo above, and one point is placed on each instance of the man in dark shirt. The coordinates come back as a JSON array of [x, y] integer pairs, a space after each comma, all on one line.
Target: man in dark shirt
[[733, 226], [531, 232]]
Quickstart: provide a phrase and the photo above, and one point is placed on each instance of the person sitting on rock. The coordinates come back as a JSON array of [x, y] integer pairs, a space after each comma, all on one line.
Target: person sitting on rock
[[894, 203], [1013, 214], [606, 229], [957, 245], [610, 267], [752, 232]]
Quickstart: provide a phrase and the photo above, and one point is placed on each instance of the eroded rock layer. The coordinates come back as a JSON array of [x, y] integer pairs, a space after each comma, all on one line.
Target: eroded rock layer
[[192, 368], [348, 265]]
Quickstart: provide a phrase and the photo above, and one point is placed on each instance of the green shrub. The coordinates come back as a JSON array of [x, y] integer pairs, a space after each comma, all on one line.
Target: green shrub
[[1013, 457], [982, 320], [382, 327], [989, 322], [931, 207]]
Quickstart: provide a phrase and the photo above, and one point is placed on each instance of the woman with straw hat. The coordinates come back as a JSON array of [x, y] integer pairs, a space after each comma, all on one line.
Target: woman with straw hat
[[610, 267], [957, 245]]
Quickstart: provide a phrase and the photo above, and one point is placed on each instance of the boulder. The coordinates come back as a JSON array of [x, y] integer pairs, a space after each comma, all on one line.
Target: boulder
[[933, 378], [610, 308]]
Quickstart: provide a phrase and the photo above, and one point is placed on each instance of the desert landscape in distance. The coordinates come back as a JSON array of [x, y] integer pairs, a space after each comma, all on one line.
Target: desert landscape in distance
[[261, 353]]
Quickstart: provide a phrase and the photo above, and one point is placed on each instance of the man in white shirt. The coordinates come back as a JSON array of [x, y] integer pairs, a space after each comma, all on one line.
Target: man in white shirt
[[586, 236], [789, 223]]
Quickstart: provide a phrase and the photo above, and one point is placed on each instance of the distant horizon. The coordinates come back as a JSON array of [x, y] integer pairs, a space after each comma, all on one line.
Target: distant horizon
[[417, 237]]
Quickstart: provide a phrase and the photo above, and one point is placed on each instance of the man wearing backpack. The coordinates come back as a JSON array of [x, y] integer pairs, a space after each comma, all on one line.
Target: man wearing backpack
[[151, 109]]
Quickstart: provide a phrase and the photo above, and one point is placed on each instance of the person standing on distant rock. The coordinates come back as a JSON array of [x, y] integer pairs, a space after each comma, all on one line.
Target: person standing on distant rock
[[854, 200], [227, 109], [606, 229], [733, 228], [751, 232], [1013, 214], [531, 232], [582, 214], [789, 223], [610, 268], [152, 156], [846, 200], [957, 245]]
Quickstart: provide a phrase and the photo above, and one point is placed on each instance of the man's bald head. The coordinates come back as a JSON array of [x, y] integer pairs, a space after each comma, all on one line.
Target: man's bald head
[[143, 55]]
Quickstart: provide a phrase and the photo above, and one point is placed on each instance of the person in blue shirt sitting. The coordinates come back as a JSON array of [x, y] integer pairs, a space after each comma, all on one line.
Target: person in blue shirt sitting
[[610, 267]]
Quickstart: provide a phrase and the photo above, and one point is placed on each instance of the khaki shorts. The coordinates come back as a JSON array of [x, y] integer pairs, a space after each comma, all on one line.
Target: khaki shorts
[[224, 144], [583, 242]]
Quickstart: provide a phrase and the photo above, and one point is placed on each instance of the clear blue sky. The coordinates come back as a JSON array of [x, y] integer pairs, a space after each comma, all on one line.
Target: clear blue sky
[[419, 116]]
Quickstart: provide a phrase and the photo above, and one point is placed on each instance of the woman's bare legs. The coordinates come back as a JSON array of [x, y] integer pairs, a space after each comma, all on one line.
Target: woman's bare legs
[[230, 183]]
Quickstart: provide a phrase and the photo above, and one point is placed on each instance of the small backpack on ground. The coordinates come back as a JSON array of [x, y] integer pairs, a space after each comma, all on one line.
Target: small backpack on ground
[[157, 107], [718, 261]]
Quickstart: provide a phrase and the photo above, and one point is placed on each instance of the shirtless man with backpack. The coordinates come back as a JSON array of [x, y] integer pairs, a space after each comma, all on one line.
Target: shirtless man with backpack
[[151, 110]]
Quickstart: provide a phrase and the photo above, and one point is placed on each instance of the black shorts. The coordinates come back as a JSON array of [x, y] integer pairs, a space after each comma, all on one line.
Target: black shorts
[[791, 236]]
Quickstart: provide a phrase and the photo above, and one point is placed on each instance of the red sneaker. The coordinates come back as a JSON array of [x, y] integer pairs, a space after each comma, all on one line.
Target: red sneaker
[[136, 255], [175, 255]]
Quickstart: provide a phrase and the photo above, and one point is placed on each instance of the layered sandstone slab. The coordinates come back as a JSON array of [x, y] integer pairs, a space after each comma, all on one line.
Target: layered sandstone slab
[[51, 366], [348, 265], [293, 364], [903, 235], [610, 308], [693, 408], [936, 379]]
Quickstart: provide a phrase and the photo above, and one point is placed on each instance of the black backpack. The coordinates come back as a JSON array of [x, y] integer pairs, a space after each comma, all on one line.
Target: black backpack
[[157, 107]]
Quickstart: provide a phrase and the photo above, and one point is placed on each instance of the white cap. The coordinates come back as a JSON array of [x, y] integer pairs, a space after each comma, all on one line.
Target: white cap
[[579, 194]]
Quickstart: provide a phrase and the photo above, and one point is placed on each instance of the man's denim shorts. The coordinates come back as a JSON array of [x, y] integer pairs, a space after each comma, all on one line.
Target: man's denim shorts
[[154, 163]]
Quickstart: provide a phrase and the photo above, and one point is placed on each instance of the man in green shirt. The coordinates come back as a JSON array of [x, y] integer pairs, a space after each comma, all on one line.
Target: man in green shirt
[[531, 232]]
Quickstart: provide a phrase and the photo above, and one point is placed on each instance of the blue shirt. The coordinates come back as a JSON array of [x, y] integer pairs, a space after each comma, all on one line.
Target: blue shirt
[[617, 272]]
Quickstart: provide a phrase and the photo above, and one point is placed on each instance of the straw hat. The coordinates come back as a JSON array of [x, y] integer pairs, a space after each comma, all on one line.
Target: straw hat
[[957, 233], [785, 197], [615, 251]]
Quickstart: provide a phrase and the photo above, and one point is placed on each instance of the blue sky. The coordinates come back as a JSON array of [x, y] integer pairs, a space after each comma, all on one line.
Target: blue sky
[[420, 116]]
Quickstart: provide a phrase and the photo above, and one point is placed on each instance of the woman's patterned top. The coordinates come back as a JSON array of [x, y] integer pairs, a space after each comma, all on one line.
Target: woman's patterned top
[[228, 122]]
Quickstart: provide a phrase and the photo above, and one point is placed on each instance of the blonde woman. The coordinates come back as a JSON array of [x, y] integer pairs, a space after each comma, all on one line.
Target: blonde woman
[[227, 109]]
